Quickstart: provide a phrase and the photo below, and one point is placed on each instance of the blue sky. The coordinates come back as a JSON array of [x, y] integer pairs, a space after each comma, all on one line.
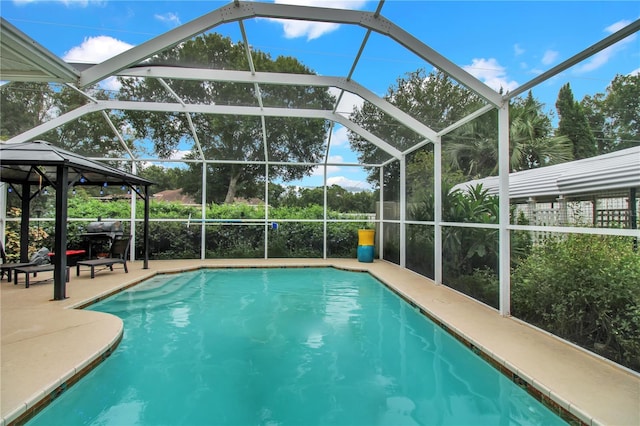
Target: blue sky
[[504, 43]]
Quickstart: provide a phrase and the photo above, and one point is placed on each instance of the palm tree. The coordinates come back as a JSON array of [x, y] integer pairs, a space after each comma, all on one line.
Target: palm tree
[[474, 147], [531, 142]]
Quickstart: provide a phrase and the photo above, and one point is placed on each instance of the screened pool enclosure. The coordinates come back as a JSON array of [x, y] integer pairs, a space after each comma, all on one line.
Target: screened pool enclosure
[[169, 96]]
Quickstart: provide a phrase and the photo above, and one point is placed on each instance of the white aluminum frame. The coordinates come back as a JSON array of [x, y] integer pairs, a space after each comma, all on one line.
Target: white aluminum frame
[[34, 63]]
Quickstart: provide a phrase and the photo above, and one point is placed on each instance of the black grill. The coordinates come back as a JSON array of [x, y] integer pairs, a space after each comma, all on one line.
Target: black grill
[[106, 229], [100, 235]]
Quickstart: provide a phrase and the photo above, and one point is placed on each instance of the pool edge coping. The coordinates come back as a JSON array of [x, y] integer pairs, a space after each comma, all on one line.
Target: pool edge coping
[[39, 400]]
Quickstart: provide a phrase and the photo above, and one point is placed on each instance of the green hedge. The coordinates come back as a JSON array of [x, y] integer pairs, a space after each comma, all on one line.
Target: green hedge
[[586, 289]]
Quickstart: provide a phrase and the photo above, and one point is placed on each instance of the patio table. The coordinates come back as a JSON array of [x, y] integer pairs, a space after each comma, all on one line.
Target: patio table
[[72, 256]]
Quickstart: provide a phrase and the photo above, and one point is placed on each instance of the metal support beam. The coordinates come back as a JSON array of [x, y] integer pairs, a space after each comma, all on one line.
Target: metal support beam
[[325, 202], [403, 211], [437, 214], [504, 247], [60, 240], [244, 10], [209, 109], [43, 128], [115, 130], [203, 214], [575, 59], [266, 210], [381, 211], [235, 76], [145, 228]]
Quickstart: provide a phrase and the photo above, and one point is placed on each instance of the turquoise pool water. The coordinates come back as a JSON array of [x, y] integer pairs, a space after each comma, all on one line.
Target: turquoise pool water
[[312, 346]]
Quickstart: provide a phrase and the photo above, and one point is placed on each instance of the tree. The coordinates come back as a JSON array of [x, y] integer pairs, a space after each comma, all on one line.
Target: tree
[[231, 137], [24, 106], [163, 177], [338, 199], [474, 149], [90, 135], [27, 105], [434, 99], [532, 143], [574, 124], [614, 117]]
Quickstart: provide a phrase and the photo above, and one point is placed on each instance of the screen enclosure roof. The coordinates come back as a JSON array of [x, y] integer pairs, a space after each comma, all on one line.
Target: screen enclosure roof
[[23, 59]]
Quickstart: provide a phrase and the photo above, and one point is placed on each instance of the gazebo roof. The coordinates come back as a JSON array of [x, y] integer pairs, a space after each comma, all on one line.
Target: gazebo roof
[[615, 173], [36, 162]]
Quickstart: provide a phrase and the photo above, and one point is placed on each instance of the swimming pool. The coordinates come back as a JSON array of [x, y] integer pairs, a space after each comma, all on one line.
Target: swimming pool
[[294, 346]]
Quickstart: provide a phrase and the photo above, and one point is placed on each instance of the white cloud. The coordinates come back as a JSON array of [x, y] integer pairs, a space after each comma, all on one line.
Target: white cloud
[[604, 56], [339, 136], [332, 4], [349, 184], [313, 30], [176, 155], [68, 3], [319, 171], [616, 26], [517, 50], [96, 49], [179, 155], [491, 73], [634, 72], [597, 60], [169, 18], [549, 57], [111, 83], [348, 102]]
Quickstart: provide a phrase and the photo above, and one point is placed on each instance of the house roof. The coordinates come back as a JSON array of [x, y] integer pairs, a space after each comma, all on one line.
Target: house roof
[[174, 195], [615, 172]]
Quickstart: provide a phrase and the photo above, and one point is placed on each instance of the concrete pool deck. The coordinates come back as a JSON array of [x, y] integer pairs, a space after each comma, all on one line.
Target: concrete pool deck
[[46, 344]]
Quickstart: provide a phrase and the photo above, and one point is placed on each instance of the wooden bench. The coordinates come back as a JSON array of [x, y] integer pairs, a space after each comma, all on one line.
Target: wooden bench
[[26, 270]]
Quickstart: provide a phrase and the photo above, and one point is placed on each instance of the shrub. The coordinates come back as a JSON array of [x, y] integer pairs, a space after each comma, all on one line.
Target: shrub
[[39, 236], [586, 289], [483, 284]]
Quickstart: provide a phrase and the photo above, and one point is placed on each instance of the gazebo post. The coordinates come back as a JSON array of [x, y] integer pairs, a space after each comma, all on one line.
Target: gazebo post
[[24, 222], [60, 241], [146, 228]]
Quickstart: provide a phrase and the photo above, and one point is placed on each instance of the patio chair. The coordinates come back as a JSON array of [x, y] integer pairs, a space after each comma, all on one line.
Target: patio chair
[[8, 267], [117, 255]]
